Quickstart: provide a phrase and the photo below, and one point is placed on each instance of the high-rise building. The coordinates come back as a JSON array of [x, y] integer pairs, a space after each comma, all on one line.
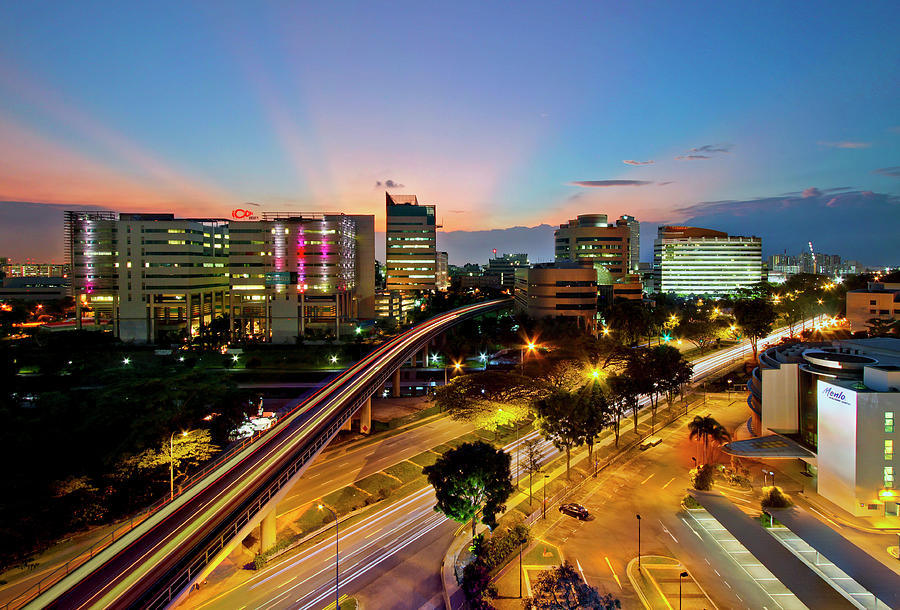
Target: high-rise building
[[411, 244], [691, 260], [590, 238], [505, 267], [634, 244], [153, 274], [442, 274]]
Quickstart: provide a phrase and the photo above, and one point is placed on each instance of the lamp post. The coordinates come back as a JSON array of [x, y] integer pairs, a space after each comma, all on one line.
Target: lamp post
[[639, 539], [695, 461], [172, 463], [680, 577], [546, 476], [729, 390], [337, 597]]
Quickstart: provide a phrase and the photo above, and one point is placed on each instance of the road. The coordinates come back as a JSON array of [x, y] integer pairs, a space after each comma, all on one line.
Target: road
[[123, 572], [392, 558]]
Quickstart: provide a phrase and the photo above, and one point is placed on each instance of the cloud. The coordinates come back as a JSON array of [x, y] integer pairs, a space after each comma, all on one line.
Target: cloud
[[388, 184], [666, 182], [251, 203], [846, 144], [691, 157], [604, 183], [893, 172], [811, 192], [838, 223], [712, 148], [633, 162]]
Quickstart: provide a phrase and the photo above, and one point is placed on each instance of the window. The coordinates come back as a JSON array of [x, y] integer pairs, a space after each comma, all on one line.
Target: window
[[888, 477], [889, 450], [888, 421]]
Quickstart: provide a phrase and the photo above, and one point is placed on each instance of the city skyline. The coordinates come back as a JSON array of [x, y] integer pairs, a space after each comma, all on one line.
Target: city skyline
[[527, 119]]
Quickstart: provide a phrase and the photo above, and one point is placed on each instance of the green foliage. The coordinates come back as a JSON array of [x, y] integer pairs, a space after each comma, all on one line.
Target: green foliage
[[260, 560], [690, 502], [561, 588], [495, 551], [476, 397], [559, 419], [476, 586], [773, 497], [472, 477], [188, 451], [755, 318], [702, 477]]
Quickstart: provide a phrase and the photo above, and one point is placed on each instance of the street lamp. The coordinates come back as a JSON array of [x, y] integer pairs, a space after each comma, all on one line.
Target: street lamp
[[680, 578], [337, 597], [729, 389], [457, 367], [695, 461], [126, 361], [546, 476], [639, 539], [172, 463], [483, 358], [334, 359]]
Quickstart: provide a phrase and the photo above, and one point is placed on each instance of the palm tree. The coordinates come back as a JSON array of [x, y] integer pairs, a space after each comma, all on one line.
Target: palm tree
[[708, 431]]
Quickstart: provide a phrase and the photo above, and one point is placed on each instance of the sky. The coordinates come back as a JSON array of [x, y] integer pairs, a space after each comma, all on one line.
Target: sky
[[775, 119]]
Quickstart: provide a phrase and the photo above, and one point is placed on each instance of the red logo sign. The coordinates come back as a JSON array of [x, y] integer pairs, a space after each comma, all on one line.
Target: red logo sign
[[240, 214]]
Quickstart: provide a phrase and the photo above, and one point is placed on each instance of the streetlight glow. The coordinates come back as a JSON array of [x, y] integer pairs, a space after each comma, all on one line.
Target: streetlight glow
[[334, 359], [126, 361]]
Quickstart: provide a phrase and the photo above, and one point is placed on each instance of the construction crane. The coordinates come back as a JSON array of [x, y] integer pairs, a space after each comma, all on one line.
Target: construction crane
[[812, 252]]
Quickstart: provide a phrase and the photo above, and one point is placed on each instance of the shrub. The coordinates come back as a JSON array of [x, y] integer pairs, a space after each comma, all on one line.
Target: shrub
[[494, 551], [476, 586], [702, 477], [773, 497], [690, 502]]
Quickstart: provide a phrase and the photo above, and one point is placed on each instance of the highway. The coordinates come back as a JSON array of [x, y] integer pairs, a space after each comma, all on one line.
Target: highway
[[166, 543], [394, 554]]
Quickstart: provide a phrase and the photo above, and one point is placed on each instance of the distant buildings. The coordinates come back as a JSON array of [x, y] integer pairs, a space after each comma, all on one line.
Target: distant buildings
[[878, 300], [153, 275], [34, 288], [504, 266], [590, 238], [695, 261], [786, 265], [33, 269], [442, 273], [634, 244], [411, 244], [835, 407], [565, 288]]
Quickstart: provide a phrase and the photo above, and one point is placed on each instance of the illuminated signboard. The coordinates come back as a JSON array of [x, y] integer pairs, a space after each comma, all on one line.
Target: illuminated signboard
[[280, 277], [836, 395], [241, 214]]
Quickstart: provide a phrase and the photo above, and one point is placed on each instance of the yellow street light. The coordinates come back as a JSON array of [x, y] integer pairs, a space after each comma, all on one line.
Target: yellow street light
[[595, 374], [457, 365]]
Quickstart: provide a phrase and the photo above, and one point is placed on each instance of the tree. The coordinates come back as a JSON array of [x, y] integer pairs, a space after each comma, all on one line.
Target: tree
[[475, 397], [593, 412], [187, 452], [882, 327], [755, 318], [471, 477], [773, 497], [626, 392], [559, 420], [702, 477], [708, 431], [630, 319], [531, 462], [670, 370], [561, 588], [701, 330]]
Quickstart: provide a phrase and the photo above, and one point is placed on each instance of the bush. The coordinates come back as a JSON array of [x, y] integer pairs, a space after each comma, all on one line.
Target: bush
[[690, 502], [773, 497], [476, 586], [493, 552], [702, 477]]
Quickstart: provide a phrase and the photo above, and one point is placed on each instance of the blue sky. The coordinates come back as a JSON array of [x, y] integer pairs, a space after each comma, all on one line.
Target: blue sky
[[494, 112]]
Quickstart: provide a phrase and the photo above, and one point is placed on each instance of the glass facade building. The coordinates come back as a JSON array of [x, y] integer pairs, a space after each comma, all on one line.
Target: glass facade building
[[410, 251], [695, 261]]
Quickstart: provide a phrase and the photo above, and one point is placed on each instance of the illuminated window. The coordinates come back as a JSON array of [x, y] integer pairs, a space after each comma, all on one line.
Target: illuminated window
[[888, 477], [888, 421], [889, 450]]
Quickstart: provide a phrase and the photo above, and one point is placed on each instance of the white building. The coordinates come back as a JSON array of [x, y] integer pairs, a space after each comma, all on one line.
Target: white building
[[832, 405], [695, 261]]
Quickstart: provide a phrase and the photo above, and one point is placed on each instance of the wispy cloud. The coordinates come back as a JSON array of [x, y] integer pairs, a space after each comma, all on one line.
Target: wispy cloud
[[893, 172], [666, 182], [846, 144], [604, 183], [707, 151], [389, 184], [811, 192], [633, 162]]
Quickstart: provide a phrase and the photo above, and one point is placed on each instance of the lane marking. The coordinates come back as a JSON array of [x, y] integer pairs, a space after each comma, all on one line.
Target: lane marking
[[616, 576], [667, 482], [647, 479]]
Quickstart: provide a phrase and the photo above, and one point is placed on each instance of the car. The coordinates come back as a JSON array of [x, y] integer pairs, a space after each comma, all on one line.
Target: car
[[574, 510]]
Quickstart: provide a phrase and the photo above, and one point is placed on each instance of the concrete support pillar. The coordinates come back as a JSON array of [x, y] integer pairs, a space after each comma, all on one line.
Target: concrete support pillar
[[425, 357], [348, 425], [365, 417], [78, 313], [302, 314], [267, 532], [396, 389]]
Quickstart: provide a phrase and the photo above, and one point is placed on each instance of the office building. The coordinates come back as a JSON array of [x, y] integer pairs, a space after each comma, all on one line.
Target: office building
[[834, 406], [879, 301], [33, 288], [411, 242], [634, 240], [160, 277], [442, 274], [504, 266], [695, 261], [590, 238], [567, 289], [394, 304]]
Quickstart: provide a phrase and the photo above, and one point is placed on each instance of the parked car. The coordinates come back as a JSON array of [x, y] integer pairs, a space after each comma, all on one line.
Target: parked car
[[574, 510]]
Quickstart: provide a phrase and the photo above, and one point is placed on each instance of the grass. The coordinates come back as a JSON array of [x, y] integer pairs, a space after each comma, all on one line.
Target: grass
[[426, 458], [375, 483], [346, 499], [311, 520], [405, 471], [536, 555]]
